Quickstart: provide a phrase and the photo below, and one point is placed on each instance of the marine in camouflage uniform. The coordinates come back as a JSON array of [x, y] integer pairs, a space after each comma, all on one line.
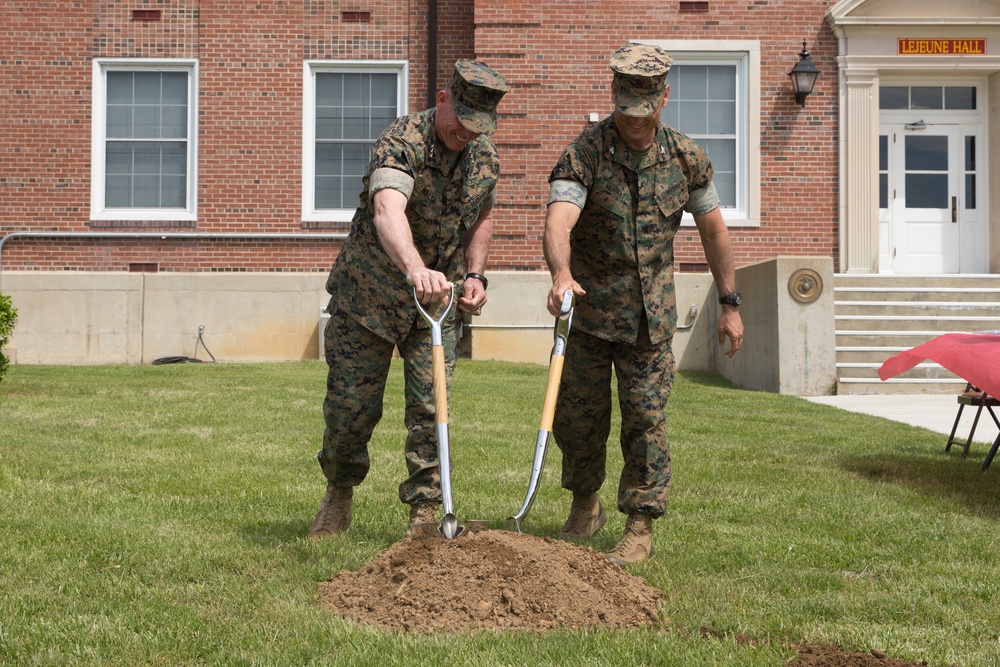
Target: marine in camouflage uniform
[[423, 223], [617, 195]]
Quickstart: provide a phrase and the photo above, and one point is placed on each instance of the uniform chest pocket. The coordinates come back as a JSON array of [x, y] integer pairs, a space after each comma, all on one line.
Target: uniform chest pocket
[[473, 198], [612, 198], [672, 198]]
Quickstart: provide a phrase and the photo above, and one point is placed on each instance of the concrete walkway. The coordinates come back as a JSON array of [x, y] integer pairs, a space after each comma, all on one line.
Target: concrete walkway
[[935, 412]]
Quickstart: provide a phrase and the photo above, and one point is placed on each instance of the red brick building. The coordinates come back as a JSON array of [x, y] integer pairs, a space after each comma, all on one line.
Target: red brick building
[[247, 71], [211, 137]]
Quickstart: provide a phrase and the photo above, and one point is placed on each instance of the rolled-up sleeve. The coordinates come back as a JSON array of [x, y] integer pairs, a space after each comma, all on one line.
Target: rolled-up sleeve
[[573, 192], [702, 200]]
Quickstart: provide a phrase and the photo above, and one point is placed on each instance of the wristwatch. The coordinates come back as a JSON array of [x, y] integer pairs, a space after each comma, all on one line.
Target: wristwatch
[[480, 277], [733, 299]]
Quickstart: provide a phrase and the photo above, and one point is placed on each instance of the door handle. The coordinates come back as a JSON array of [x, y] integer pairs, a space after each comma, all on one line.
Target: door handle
[[954, 210]]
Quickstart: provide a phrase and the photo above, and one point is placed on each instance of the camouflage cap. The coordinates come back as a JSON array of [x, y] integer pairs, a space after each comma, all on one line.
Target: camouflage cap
[[476, 90], [640, 78]]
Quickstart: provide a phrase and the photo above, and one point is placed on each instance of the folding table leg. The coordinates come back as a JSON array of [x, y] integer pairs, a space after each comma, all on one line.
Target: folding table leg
[[993, 452]]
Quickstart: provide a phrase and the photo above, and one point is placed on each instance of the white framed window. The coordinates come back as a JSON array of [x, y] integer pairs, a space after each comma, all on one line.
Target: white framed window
[[144, 139], [347, 105], [715, 100]]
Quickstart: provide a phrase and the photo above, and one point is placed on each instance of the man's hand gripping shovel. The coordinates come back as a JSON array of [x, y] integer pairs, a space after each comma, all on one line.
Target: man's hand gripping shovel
[[562, 327], [450, 527]]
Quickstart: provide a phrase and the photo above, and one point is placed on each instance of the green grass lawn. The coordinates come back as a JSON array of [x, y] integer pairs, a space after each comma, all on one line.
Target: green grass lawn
[[157, 515]]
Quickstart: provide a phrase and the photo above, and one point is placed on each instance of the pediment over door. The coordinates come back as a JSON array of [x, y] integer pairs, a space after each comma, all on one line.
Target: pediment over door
[[913, 12]]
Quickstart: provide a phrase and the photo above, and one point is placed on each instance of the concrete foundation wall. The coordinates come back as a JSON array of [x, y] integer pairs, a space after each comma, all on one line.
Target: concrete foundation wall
[[790, 346], [136, 318], [516, 326]]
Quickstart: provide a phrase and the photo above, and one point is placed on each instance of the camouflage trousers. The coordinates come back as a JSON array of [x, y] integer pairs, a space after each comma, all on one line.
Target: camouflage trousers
[[582, 422], [358, 363]]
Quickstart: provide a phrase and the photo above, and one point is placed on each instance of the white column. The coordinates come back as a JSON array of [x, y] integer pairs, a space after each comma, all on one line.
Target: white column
[[859, 156]]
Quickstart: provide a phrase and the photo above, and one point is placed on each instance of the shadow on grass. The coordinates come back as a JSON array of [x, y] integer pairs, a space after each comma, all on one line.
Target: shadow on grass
[[942, 476]]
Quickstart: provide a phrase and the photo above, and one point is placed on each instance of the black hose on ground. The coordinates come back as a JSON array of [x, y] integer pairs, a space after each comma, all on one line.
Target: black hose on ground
[[187, 360]]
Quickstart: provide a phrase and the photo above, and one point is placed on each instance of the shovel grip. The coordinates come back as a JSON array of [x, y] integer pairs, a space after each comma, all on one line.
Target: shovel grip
[[551, 392], [440, 386]]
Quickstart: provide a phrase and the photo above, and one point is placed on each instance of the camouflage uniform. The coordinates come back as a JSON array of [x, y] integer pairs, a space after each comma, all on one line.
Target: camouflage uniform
[[372, 307], [622, 255]]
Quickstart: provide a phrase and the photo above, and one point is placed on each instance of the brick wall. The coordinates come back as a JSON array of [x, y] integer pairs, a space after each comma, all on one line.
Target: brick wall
[[556, 56], [250, 118]]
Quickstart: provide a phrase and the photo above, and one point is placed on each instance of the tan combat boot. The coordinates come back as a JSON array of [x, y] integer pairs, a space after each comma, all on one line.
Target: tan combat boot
[[586, 516], [637, 542], [423, 513], [334, 516]]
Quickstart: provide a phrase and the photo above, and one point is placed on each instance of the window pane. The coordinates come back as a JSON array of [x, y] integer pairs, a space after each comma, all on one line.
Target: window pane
[[175, 87], [725, 185], [117, 191], [927, 191], [693, 117], [383, 91], [329, 192], [925, 97], [883, 190], [883, 152], [722, 118], [893, 97], [119, 122], [146, 191], [926, 153], [145, 159], [147, 122], [723, 155], [119, 87], [722, 83], [970, 153], [173, 159], [147, 87], [172, 192], [173, 122], [960, 97], [692, 82], [970, 191]]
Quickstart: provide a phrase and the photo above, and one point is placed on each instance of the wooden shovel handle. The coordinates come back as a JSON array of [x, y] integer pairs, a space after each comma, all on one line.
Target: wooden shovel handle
[[440, 386]]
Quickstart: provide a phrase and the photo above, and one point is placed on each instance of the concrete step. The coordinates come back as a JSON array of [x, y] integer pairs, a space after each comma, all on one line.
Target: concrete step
[[909, 295], [896, 386], [877, 317], [920, 283], [936, 322], [962, 310]]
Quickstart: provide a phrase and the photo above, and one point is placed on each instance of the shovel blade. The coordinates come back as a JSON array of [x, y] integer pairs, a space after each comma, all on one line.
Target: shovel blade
[[428, 529]]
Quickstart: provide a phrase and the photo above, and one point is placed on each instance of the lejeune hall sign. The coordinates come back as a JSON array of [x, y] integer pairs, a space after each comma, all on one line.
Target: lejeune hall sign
[[941, 47]]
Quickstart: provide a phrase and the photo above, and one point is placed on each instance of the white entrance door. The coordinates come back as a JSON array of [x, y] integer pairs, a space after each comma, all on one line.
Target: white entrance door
[[931, 191]]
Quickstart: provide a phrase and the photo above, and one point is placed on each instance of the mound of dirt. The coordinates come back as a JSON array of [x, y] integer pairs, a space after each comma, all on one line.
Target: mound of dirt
[[503, 580], [492, 579], [824, 655]]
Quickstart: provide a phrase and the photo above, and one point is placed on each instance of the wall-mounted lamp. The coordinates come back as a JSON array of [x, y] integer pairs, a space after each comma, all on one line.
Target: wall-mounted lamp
[[803, 76]]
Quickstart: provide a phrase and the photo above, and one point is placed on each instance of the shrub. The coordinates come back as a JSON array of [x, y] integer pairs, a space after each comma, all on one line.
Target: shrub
[[8, 316]]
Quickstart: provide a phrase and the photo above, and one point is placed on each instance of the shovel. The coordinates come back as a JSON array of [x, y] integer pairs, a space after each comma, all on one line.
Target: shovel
[[562, 327], [449, 528]]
